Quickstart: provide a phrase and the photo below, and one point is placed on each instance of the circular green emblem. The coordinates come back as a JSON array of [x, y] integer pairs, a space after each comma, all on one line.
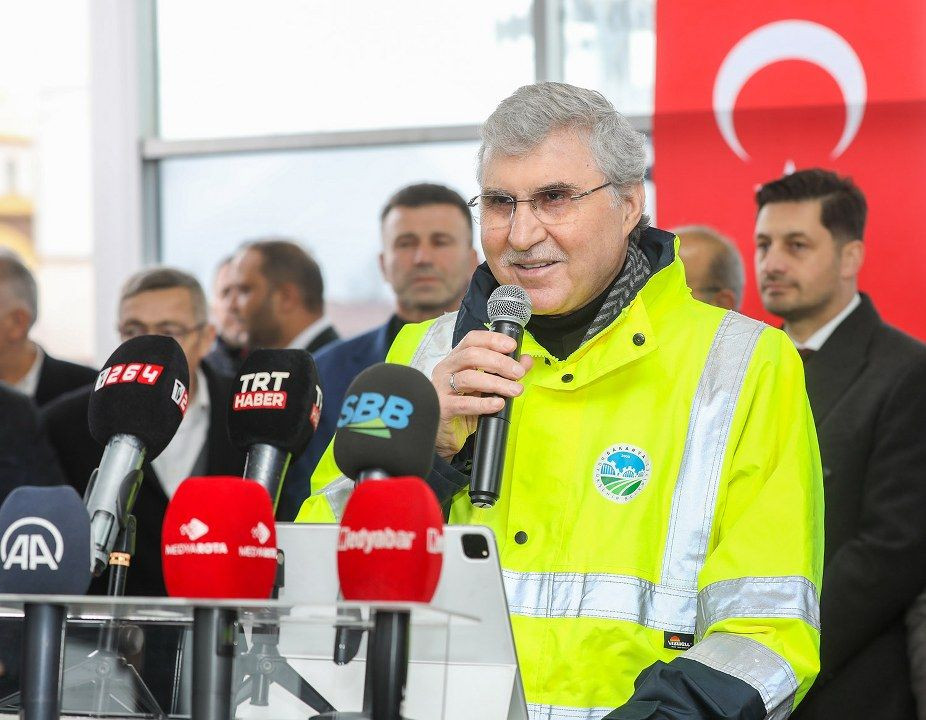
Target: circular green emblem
[[621, 472]]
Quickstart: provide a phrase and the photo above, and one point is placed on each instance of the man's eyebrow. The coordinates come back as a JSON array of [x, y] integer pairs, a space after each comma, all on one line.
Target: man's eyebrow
[[494, 191], [557, 185]]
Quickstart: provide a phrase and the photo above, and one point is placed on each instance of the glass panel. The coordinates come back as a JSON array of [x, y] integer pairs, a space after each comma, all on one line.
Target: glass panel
[[610, 45], [45, 170], [329, 200], [233, 67]]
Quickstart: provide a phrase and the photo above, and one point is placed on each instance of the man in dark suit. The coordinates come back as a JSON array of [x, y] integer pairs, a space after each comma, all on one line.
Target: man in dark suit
[[278, 298], [25, 459], [160, 301], [867, 387], [24, 365], [227, 352], [428, 259]]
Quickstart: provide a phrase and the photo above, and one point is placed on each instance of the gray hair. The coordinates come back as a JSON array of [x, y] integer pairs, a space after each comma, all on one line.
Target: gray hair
[[166, 278], [522, 121], [726, 267], [16, 276]]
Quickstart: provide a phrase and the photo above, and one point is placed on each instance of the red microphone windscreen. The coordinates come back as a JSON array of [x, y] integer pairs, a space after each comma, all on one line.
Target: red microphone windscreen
[[391, 543], [218, 540]]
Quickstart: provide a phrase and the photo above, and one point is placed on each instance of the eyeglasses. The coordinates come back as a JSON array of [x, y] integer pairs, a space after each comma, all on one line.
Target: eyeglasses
[[173, 330], [553, 206]]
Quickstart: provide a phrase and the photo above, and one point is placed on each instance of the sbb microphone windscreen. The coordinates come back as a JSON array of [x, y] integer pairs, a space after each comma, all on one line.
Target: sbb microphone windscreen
[[44, 550], [390, 546], [509, 309], [142, 391], [44, 542], [218, 540], [388, 424], [136, 406], [274, 410]]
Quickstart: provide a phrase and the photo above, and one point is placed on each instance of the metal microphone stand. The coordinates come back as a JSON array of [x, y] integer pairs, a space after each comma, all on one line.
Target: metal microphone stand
[[262, 665], [115, 684]]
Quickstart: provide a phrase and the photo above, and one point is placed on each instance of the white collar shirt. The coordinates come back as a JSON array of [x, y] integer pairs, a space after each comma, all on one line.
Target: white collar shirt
[[302, 340], [816, 341], [176, 462]]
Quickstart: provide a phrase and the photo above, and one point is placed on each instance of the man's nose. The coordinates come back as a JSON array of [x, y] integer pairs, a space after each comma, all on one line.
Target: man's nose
[[525, 230], [773, 262], [424, 254]]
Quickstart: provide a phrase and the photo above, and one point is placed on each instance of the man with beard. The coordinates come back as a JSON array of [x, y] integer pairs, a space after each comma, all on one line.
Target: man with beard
[[279, 297], [867, 387], [427, 259], [226, 353]]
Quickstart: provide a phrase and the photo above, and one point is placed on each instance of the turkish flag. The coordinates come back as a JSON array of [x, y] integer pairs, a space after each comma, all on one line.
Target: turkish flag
[[746, 90]]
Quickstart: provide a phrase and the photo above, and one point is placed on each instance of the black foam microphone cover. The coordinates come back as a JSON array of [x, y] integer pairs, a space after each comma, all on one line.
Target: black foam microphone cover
[[276, 400], [44, 542], [142, 391], [388, 423]]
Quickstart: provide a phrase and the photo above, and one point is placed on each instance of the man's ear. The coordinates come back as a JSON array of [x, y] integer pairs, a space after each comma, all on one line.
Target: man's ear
[[20, 321], [632, 203], [382, 266], [851, 258]]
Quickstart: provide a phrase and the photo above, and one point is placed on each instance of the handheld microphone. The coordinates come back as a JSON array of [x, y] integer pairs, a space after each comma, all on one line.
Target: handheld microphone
[[273, 413], [136, 406], [390, 549], [44, 550], [218, 541], [509, 310], [388, 424]]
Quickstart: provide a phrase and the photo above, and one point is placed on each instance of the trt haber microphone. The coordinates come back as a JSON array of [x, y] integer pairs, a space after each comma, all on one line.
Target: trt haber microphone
[[218, 541], [390, 549], [388, 424], [509, 310], [136, 406], [44, 550], [274, 411]]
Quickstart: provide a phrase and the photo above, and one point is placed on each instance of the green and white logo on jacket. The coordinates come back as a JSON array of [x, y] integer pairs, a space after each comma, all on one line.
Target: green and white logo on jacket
[[621, 472]]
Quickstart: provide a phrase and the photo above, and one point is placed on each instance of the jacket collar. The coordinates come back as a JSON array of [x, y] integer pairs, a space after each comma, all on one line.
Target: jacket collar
[[658, 246]]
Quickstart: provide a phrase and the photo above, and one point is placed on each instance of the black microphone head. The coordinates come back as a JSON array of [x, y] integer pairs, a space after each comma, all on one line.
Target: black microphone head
[[143, 391], [388, 422], [511, 303], [44, 542], [276, 400]]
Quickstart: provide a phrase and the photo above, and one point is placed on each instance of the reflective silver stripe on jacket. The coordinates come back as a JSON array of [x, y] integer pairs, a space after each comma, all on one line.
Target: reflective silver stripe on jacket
[[435, 345], [705, 446], [536, 711], [754, 664], [622, 597], [337, 493], [758, 597]]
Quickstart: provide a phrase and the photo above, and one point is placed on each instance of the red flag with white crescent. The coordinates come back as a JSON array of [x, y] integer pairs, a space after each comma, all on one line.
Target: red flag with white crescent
[[748, 91]]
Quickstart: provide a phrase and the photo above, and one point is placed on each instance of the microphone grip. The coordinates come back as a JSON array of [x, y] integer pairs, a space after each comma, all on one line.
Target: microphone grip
[[267, 465], [390, 664], [214, 637], [492, 436], [43, 645]]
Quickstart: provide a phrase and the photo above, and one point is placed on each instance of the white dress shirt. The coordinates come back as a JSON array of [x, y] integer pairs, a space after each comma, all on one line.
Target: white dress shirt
[[815, 341], [174, 465]]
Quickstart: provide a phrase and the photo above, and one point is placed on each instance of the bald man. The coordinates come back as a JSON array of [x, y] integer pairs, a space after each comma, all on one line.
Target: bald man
[[713, 266]]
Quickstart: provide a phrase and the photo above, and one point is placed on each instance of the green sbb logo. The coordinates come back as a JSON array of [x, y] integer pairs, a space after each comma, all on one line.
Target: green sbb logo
[[621, 472]]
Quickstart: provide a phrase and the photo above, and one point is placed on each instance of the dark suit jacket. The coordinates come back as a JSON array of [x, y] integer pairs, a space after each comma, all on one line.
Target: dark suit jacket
[[25, 459], [338, 364], [867, 390], [325, 337], [79, 454], [60, 376]]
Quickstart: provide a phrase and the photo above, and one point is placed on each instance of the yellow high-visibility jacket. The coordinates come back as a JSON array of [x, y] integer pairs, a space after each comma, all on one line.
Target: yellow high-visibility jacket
[[662, 498]]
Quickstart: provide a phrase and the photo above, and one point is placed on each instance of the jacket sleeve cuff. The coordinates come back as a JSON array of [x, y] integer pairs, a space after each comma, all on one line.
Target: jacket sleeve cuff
[[687, 690], [446, 481]]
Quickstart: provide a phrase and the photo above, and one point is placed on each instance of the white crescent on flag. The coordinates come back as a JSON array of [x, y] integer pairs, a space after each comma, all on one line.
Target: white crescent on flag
[[790, 40]]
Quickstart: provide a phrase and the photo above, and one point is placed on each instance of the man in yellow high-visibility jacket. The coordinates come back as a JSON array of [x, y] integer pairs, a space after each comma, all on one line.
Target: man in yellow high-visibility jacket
[[660, 518]]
